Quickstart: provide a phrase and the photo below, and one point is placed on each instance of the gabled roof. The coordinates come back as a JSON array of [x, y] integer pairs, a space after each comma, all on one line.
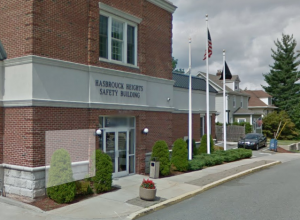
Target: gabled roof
[[259, 93], [219, 83], [255, 101], [182, 81]]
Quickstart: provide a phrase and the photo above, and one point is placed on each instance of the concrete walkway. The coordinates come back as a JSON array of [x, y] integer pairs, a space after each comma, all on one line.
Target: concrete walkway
[[124, 202]]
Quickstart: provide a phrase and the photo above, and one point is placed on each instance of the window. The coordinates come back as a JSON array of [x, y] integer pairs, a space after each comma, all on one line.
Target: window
[[117, 39], [239, 120], [236, 87], [242, 102], [234, 101]]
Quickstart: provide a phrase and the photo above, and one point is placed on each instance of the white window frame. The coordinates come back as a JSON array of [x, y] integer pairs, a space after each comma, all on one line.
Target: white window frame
[[244, 120], [124, 54]]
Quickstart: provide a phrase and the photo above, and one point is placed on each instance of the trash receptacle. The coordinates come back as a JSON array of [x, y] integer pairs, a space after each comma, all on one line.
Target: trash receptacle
[[154, 169], [273, 144]]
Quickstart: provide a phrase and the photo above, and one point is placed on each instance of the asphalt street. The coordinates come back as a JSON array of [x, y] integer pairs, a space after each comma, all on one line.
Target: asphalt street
[[269, 194]]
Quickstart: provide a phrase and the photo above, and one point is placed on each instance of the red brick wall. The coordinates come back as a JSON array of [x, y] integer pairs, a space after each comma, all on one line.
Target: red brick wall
[[181, 126], [16, 27], [25, 127], [69, 30]]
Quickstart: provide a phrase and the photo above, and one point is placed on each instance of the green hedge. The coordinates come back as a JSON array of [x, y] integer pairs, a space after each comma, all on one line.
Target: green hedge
[[61, 187], [103, 175], [203, 146], [194, 148], [161, 153], [218, 157], [180, 155]]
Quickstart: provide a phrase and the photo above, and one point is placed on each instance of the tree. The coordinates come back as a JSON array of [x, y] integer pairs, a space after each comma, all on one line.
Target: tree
[[61, 187], [283, 74], [180, 155], [104, 169], [272, 121], [174, 65], [160, 152]]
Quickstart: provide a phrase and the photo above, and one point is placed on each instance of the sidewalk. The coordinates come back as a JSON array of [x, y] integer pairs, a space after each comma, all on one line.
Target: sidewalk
[[125, 204]]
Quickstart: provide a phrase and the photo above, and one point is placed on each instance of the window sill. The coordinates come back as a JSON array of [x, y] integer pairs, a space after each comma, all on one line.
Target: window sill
[[118, 63]]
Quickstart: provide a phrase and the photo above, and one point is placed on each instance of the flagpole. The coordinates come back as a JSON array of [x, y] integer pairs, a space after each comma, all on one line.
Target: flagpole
[[190, 100], [207, 92], [224, 103]]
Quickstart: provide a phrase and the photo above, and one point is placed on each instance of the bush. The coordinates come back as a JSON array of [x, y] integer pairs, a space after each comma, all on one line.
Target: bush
[[194, 148], [203, 146], [180, 155], [103, 175], [196, 164], [61, 187], [218, 157], [83, 188], [160, 151]]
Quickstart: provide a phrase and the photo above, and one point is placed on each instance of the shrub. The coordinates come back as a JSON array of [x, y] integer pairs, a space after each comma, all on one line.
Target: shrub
[[180, 155], [203, 146], [194, 148], [218, 157], [83, 188], [61, 188], [103, 175], [160, 151], [196, 164]]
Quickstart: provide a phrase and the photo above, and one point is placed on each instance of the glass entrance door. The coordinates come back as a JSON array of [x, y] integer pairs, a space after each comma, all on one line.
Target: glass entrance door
[[116, 146]]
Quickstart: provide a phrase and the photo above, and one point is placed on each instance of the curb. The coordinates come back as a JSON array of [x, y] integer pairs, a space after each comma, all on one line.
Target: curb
[[195, 192], [20, 204]]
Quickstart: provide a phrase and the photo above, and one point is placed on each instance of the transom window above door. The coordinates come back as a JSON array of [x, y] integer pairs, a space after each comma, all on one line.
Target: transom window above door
[[118, 38]]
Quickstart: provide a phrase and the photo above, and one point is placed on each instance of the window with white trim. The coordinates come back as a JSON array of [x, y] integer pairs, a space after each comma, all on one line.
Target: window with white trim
[[117, 39], [239, 120], [242, 103]]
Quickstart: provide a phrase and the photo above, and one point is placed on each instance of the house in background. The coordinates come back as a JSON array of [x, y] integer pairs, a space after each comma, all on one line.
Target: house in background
[[260, 102], [237, 99]]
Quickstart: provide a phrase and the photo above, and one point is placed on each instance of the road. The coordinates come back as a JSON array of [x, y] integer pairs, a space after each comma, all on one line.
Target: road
[[269, 194]]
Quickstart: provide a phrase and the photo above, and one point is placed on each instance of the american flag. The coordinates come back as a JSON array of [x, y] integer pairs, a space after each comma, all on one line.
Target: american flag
[[209, 47]]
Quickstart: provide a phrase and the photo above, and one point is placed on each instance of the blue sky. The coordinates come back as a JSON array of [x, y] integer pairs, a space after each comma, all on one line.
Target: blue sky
[[245, 29]]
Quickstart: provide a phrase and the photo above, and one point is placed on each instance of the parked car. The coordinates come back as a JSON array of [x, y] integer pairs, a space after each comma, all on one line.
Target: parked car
[[253, 141]]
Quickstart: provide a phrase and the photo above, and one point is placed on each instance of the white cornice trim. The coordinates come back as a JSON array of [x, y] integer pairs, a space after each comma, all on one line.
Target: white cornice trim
[[119, 73], [68, 104], [36, 169], [119, 13], [164, 4], [77, 66]]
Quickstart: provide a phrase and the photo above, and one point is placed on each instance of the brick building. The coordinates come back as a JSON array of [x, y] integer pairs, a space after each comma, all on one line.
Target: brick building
[[88, 64]]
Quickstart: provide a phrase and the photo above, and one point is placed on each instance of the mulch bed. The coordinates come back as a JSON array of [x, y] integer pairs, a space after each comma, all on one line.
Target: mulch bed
[[281, 150], [47, 204]]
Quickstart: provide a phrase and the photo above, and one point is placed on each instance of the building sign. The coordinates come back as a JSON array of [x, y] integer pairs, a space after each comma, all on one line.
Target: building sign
[[109, 88]]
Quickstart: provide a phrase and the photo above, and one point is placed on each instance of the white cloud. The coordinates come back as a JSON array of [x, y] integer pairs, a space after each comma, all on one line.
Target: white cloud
[[246, 29]]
